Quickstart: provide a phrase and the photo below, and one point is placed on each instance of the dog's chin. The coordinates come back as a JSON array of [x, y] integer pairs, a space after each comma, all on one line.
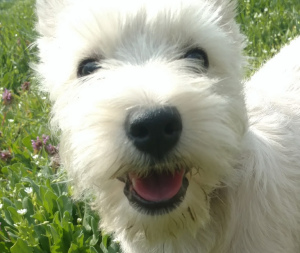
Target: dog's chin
[[157, 193]]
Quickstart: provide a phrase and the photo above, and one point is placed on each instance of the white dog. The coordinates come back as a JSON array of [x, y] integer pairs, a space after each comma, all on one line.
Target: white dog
[[156, 123]]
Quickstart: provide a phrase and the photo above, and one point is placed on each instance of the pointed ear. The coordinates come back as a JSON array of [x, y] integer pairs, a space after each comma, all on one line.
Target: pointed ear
[[227, 10], [47, 15]]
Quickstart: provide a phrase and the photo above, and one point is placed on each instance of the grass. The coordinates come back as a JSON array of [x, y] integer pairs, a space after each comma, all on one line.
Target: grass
[[268, 25], [36, 211]]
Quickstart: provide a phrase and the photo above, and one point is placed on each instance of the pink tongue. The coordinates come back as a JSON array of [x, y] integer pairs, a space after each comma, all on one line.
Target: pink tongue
[[157, 187]]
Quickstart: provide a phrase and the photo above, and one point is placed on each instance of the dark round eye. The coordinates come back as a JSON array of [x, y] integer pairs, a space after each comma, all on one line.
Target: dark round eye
[[87, 67], [198, 54]]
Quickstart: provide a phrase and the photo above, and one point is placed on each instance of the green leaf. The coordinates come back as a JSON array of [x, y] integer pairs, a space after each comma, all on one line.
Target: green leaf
[[94, 225], [68, 228], [93, 250], [27, 204], [55, 230], [21, 246], [103, 248], [36, 189], [4, 248], [40, 231], [8, 219], [27, 142], [105, 240], [58, 248], [86, 222], [114, 247], [61, 242], [7, 202], [14, 214], [39, 215], [64, 204], [80, 239], [73, 248], [50, 202], [55, 234]]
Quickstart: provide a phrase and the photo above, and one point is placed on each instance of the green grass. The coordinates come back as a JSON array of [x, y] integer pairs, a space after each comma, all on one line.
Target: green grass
[[268, 25], [16, 34], [36, 211]]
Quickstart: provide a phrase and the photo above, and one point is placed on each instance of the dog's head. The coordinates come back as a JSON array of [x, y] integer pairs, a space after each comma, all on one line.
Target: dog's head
[[148, 98]]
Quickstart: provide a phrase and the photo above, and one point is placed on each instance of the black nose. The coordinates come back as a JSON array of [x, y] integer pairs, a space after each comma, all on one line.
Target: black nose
[[154, 131]]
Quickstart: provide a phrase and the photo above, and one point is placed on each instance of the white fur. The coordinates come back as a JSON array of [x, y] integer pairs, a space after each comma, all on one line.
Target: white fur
[[241, 146]]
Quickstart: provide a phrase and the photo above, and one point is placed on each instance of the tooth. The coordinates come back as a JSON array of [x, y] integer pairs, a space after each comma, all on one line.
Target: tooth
[[133, 182]]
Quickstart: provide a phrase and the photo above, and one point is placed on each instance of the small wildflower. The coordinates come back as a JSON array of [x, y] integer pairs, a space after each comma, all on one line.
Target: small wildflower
[[35, 157], [7, 97], [45, 139], [28, 190], [11, 120], [37, 145], [22, 211], [1, 205], [79, 220], [5, 155], [51, 150], [273, 50], [25, 86]]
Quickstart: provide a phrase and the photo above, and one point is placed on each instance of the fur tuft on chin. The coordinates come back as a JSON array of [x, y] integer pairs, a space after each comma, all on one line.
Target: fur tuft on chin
[[180, 155]]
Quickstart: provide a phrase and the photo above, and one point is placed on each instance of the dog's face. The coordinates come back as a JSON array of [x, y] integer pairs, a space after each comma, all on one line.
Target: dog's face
[[148, 98]]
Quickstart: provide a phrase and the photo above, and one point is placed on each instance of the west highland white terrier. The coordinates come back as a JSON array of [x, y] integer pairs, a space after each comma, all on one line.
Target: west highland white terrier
[[180, 155]]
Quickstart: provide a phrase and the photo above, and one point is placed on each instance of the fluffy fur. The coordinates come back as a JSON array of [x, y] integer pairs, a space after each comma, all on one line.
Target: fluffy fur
[[239, 143]]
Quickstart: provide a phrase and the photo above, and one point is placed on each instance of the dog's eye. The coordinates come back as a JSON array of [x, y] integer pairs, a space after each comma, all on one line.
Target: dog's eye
[[198, 54], [87, 67]]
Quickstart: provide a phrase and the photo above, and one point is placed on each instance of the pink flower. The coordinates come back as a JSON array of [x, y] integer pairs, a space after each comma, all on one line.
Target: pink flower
[[45, 139], [51, 150], [7, 97], [37, 145], [25, 86], [5, 155]]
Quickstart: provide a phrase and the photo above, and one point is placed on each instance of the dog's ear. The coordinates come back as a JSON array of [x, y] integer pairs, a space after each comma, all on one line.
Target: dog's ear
[[227, 10], [47, 14]]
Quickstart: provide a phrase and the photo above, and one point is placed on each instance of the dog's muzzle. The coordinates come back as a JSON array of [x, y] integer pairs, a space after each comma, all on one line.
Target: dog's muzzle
[[155, 132]]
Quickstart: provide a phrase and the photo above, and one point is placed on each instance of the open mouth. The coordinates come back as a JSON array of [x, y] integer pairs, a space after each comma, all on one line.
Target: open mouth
[[157, 193]]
